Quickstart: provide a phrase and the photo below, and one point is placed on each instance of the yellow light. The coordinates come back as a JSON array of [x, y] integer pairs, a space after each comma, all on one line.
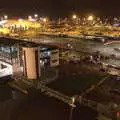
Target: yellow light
[[20, 20], [29, 17], [73, 100], [44, 20], [36, 15], [90, 18], [5, 17], [74, 16]]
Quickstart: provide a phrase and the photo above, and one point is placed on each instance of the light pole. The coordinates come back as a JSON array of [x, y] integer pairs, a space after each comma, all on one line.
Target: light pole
[[29, 17], [5, 17], [90, 19], [36, 16], [45, 21], [75, 18], [72, 108]]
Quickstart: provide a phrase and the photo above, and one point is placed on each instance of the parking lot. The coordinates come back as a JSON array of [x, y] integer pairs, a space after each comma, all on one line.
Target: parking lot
[[76, 78]]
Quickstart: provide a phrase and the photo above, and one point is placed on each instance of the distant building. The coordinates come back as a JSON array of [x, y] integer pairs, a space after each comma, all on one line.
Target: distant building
[[49, 56]]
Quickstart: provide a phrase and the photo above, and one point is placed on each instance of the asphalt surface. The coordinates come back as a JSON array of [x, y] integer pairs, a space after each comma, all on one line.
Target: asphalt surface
[[36, 106], [85, 46]]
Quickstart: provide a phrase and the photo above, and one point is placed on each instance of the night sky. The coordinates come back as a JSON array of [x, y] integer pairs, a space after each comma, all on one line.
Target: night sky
[[60, 8]]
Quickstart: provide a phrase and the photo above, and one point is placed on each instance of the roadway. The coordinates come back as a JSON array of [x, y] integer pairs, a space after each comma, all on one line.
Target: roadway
[[86, 46]]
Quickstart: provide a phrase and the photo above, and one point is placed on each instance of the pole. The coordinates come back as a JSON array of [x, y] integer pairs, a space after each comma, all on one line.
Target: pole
[[71, 112]]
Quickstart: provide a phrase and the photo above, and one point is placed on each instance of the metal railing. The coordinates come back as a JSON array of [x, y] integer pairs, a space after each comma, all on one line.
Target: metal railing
[[56, 94]]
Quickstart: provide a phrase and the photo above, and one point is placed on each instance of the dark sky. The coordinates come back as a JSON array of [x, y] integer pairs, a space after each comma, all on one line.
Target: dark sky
[[61, 7]]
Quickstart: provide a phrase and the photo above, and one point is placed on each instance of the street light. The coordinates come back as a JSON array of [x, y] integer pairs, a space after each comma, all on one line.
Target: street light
[[5, 17], [75, 19], [44, 19], [90, 18], [20, 20], [36, 15], [29, 17], [74, 16], [73, 100], [72, 107], [45, 23]]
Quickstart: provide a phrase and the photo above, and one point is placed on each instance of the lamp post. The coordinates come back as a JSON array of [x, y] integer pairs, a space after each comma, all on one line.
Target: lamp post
[[74, 16], [29, 17], [36, 15], [72, 108], [5, 17], [90, 19], [45, 21]]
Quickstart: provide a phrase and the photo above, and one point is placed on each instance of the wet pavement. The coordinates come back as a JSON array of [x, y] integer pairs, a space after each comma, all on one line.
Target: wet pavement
[[76, 78], [14, 105]]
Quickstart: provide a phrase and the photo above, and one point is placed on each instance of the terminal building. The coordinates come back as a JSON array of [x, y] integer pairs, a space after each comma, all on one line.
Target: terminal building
[[9, 60], [49, 56], [28, 59]]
